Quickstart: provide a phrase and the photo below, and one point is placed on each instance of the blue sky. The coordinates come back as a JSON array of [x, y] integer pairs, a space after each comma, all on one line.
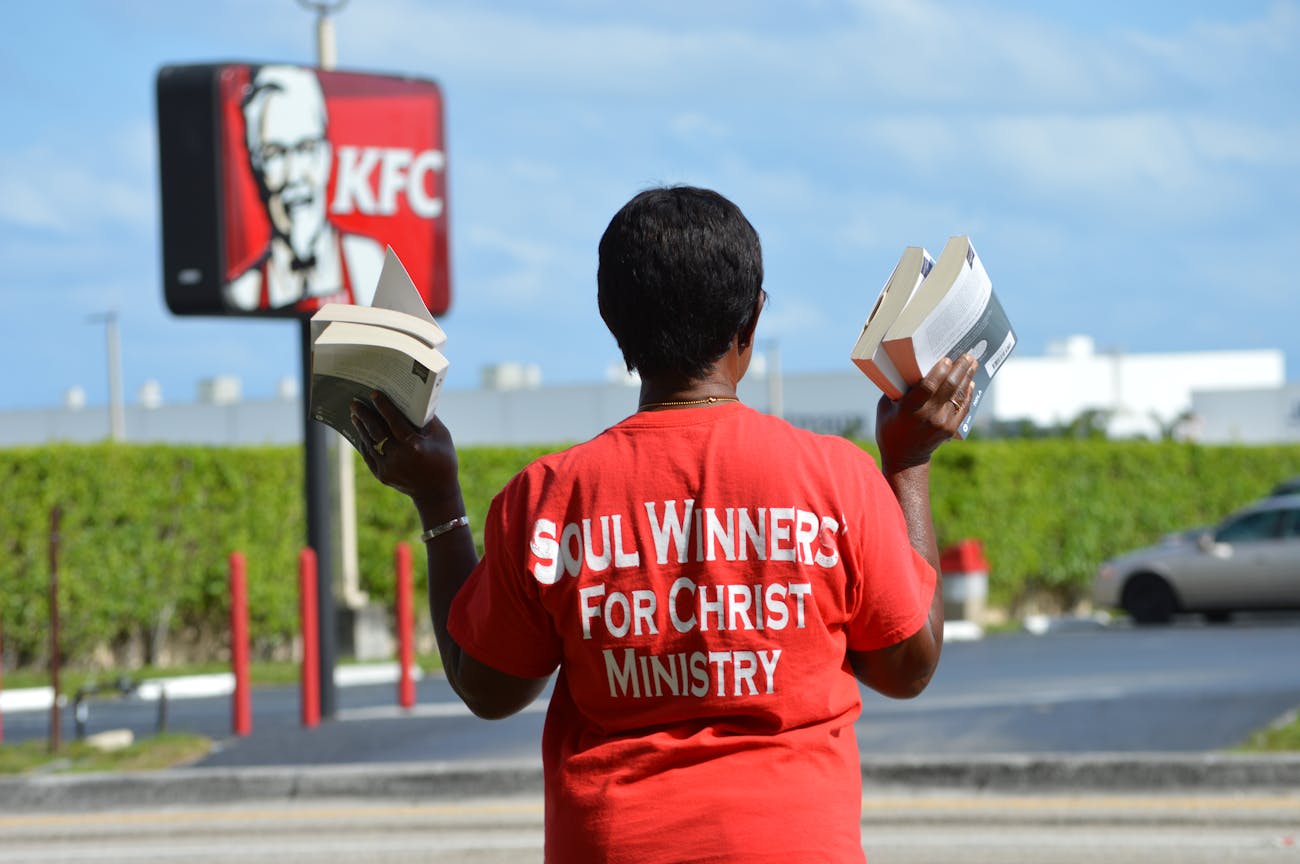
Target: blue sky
[[1130, 171]]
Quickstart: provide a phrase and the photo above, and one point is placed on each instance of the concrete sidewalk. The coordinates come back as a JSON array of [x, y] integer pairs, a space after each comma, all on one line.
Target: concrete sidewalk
[[1039, 774]]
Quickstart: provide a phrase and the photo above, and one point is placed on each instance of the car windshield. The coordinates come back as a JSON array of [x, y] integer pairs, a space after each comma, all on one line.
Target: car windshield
[[1287, 487], [1250, 527]]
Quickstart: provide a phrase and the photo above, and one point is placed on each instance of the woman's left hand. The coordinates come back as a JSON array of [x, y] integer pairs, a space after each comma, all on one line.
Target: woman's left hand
[[419, 462]]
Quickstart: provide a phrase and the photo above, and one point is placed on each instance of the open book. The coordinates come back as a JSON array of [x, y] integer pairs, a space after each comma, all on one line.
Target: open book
[[925, 313], [390, 346]]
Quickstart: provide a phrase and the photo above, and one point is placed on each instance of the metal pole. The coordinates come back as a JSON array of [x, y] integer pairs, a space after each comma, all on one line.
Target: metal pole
[[116, 411], [113, 347], [326, 46], [775, 395], [316, 473]]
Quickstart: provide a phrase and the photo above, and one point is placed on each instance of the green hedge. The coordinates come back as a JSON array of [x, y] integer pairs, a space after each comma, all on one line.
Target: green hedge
[[147, 530], [1049, 511]]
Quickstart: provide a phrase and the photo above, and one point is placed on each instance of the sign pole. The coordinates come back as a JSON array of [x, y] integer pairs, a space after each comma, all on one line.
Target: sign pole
[[315, 440]]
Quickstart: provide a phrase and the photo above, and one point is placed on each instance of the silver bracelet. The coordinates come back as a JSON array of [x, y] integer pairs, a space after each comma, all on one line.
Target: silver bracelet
[[439, 530]]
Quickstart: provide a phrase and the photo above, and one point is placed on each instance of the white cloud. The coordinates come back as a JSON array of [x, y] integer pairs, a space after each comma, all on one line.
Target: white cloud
[[880, 223], [696, 127], [788, 315], [1232, 143], [1223, 55], [42, 190], [523, 274], [1139, 162], [1092, 155], [532, 51]]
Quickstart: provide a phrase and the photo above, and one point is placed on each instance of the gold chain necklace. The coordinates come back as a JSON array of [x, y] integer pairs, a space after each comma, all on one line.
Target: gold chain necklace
[[686, 403]]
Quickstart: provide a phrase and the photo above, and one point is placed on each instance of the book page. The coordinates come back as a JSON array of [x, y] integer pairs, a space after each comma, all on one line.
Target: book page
[[957, 314], [396, 291], [426, 331]]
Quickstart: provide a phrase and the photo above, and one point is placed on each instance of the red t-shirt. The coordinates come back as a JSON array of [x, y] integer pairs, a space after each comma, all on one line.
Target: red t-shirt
[[697, 576]]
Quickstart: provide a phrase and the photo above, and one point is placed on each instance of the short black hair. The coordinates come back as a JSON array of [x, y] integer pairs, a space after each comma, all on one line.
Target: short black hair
[[680, 274]]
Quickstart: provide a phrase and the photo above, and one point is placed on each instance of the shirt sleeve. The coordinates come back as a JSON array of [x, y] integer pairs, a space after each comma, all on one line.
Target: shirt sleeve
[[497, 616], [895, 584]]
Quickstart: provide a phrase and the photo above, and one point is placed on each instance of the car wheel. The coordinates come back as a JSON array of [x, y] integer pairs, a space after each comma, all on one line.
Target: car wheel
[[1148, 599]]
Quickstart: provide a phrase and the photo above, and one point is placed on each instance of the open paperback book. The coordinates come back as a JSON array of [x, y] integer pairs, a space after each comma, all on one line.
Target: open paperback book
[[928, 311], [390, 346]]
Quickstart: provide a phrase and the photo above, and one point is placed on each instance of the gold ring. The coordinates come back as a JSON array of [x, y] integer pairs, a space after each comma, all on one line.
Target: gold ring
[[955, 403], [379, 445]]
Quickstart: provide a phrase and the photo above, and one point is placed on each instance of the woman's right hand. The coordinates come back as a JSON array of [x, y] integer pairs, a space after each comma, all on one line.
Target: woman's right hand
[[911, 428]]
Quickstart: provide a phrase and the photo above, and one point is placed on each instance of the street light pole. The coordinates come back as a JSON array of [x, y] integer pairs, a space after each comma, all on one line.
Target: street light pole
[[326, 47], [116, 409], [775, 393]]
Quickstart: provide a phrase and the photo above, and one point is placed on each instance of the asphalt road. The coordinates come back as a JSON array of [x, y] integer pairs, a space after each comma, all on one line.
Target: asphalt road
[[899, 829], [1186, 688]]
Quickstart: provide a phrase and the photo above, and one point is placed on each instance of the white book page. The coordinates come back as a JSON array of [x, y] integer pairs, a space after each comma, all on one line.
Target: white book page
[[954, 315], [396, 290]]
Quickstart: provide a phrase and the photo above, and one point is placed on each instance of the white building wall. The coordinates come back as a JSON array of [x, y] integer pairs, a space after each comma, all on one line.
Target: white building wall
[[1266, 416], [1236, 396], [1142, 391]]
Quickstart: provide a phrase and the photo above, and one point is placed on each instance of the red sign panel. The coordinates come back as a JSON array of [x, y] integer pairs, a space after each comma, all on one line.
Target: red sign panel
[[310, 174]]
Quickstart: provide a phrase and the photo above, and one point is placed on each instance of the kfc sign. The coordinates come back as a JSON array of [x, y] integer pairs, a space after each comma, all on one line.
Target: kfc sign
[[281, 186]]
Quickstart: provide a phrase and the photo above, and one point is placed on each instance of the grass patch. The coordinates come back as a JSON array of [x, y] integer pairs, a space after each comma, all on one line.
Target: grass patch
[[1281, 737], [168, 750]]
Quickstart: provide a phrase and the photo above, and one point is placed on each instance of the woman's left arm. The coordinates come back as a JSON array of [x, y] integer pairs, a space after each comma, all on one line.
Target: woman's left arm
[[422, 464]]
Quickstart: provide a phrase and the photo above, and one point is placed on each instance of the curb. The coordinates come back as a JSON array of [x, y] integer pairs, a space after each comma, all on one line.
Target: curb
[[434, 781], [429, 781], [199, 686]]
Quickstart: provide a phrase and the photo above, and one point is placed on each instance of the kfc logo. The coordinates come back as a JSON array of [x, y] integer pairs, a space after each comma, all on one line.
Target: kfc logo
[[400, 171], [316, 172], [286, 123]]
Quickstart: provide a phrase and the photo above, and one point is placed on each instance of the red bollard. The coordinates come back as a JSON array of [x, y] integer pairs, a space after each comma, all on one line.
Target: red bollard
[[307, 611], [405, 628], [242, 708]]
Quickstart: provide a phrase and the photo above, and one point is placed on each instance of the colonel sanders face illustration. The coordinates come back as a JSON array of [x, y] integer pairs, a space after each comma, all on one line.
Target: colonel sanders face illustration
[[286, 120], [307, 261]]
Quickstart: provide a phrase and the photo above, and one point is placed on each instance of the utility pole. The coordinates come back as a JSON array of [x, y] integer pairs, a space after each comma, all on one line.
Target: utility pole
[[116, 408], [775, 393]]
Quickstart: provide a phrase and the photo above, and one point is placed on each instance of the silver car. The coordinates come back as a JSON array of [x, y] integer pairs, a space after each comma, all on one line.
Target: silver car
[[1250, 561]]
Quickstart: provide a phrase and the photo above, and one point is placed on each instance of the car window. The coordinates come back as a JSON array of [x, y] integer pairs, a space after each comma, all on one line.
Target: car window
[[1291, 523], [1260, 525]]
